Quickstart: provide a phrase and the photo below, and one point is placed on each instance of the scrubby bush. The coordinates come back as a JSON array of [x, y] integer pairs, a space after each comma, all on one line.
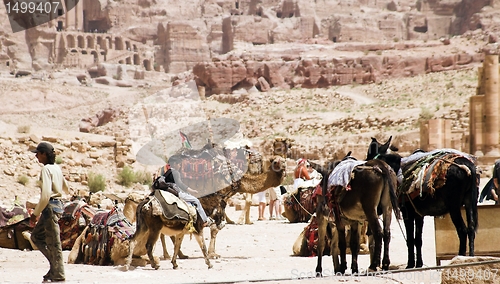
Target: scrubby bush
[[96, 182], [126, 176], [143, 177], [23, 129], [426, 113], [23, 179]]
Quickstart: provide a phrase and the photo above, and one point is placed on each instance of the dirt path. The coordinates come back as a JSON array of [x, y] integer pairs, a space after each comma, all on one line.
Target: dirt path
[[356, 97]]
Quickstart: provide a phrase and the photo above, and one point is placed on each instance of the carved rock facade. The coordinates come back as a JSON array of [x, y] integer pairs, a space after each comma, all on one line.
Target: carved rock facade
[[173, 36]]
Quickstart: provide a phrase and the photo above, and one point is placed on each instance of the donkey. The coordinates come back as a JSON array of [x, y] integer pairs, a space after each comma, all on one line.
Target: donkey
[[130, 209], [154, 218], [370, 192], [449, 182]]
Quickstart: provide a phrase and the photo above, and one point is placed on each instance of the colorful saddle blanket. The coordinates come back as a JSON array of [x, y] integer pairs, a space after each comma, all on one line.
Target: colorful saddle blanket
[[303, 202], [426, 172], [308, 241]]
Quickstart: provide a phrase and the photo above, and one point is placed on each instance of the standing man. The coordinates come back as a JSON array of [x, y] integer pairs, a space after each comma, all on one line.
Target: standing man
[[46, 233]]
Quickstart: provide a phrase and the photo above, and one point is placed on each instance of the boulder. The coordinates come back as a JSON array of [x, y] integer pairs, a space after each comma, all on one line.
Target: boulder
[[101, 118], [263, 85]]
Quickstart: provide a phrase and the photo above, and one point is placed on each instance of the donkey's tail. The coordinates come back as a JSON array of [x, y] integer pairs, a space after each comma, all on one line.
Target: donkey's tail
[[474, 188], [389, 178]]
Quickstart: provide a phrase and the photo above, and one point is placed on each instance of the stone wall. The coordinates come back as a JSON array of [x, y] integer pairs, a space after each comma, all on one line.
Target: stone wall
[[78, 156], [438, 134]]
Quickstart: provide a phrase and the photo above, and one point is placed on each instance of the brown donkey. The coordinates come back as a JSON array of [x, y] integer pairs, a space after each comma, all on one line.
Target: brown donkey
[[368, 191], [154, 218]]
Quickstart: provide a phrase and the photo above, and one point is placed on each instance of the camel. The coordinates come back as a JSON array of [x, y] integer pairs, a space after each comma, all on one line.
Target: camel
[[249, 183], [258, 176], [255, 167], [15, 227], [281, 147]]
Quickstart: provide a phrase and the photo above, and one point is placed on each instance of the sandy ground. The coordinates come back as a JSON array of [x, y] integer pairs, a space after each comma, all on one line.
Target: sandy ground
[[249, 253]]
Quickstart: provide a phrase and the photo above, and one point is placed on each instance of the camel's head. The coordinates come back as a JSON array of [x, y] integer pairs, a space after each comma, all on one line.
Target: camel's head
[[278, 164], [130, 206]]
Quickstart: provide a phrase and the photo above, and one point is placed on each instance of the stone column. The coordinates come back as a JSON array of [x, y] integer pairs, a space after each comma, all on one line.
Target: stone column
[[476, 124], [227, 35], [491, 131], [480, 81], [424, 135], [79, 16]]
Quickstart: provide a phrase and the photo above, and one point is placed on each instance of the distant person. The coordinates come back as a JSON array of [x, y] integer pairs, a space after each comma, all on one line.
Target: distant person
[[261, 196], [301, 173], [275, 201], [496, 176], [490, 190], [46, 233]]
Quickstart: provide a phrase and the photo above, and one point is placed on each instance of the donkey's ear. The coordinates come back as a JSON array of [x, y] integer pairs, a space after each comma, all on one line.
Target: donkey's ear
[[388, 141], [383, 148]]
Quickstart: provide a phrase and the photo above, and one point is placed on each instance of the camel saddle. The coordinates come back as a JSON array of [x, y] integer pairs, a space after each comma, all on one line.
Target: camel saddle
[[13, 215], [209, 169], [13, 222], [76, 216], [204, 163], [303, 202], [105, 228], [174, 207]]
